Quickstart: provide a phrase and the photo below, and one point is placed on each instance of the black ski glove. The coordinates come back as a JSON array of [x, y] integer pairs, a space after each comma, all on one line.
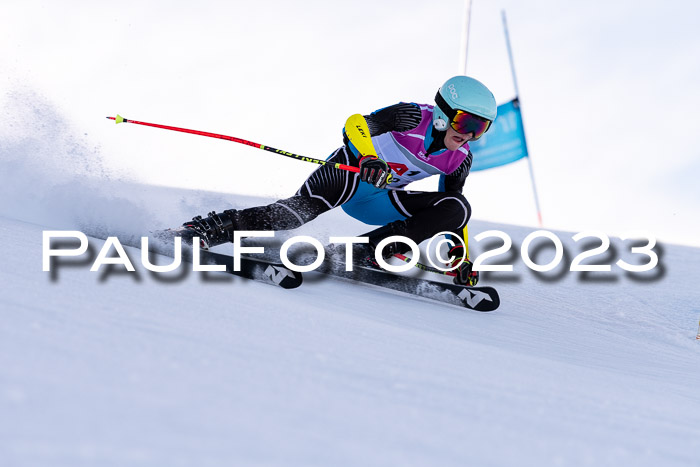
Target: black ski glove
[[375, 171], [465, 275]]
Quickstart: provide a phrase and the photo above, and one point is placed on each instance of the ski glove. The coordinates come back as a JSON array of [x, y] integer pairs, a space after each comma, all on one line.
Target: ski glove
[[375, 171], [465, 275]]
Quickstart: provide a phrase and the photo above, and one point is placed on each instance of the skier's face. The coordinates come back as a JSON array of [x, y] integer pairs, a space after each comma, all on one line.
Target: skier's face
[[454, 140]]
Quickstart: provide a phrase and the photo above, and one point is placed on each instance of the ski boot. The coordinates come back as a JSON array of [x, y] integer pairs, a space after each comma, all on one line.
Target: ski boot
[[212, 230]]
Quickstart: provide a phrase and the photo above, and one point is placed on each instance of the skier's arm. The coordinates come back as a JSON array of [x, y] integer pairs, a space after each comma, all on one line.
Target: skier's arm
[[455, 181], [397, 117], [373, 169]]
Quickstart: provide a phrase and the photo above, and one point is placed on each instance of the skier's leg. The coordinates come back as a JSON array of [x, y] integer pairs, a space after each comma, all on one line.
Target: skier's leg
[[426, 214], [325, 189]]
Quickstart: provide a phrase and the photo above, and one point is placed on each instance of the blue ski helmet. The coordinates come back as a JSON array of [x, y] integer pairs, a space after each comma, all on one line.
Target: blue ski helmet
[[465, 94]]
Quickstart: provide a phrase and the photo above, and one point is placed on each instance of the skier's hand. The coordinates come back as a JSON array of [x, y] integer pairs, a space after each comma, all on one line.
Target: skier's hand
[[465, 275], [375, 171]]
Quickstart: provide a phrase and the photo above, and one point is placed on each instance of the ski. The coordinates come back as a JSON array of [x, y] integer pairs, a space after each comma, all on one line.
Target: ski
[[474, 298], [255, 269], [263, 269], [482, 298], [267, 268]]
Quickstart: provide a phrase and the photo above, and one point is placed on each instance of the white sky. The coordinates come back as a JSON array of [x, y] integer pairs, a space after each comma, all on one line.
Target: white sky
[[608, 92]]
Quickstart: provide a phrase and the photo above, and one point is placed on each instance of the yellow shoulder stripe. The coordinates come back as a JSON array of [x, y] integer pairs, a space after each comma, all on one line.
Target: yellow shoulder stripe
[[358, 133]]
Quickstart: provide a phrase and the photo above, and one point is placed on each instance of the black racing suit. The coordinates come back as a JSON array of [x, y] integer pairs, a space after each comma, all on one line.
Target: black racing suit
[[427, 213]]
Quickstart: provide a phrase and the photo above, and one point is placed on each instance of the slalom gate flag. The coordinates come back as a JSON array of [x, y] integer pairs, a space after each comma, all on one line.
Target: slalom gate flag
[[502, 144]]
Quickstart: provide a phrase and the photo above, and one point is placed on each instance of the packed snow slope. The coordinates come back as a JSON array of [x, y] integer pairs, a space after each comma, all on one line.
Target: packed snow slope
[[117, 368]]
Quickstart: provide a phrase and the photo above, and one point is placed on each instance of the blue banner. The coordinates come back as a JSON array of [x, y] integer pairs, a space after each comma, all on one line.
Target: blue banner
[[504, 142]]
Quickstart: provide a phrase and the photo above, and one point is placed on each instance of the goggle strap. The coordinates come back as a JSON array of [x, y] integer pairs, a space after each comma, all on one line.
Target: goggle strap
[[445, 107]]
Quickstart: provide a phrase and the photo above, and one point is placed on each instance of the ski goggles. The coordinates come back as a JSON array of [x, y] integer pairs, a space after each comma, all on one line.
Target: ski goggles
[[463, 122]]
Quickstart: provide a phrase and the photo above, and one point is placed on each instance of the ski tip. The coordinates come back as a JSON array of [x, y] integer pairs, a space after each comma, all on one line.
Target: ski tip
[[488, 299]]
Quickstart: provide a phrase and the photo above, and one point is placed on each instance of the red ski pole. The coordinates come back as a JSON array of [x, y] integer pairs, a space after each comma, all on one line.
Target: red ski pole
[[349, 168]]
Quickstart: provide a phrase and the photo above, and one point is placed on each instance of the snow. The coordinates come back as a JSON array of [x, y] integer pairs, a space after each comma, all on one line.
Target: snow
[[116, 368]]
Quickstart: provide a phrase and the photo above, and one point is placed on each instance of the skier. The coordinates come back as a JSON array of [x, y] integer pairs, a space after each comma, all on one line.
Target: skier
[[411, 142]]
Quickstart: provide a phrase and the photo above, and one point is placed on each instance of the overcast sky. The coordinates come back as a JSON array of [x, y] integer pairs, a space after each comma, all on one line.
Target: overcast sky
[[608, 90]]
